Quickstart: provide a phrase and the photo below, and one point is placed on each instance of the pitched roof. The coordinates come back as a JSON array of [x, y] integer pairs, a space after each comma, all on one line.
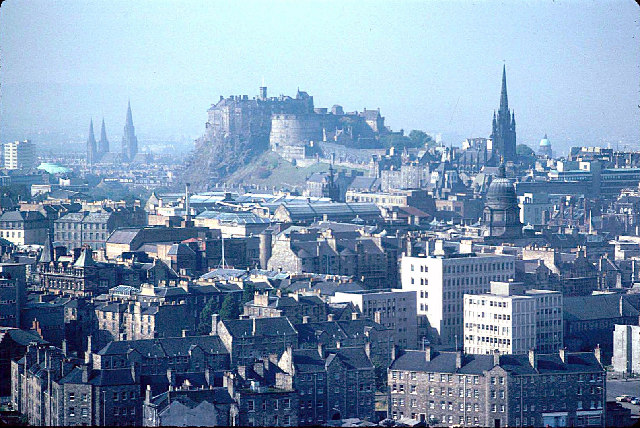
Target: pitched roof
[[166, 347], [276, 326]]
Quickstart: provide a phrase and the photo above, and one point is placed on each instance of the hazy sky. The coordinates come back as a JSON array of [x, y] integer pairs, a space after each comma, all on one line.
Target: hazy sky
[[573, 67]]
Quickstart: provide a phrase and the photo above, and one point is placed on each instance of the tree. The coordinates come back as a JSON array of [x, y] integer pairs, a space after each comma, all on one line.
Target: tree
[[230, 309], [525, 154], [212, 307], [420, 139], [248, 291]]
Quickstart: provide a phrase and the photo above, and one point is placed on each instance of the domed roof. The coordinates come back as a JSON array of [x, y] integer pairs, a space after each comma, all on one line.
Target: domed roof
[[501, 193], [545, 141]]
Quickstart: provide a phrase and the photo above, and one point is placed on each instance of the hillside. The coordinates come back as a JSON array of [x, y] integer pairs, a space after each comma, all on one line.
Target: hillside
[[271, 170]]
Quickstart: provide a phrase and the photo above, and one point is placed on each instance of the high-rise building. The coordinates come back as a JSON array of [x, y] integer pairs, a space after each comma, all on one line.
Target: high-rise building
[[129, 140], [20, 155], [92, 147], [503, 132], [511, 321], [103, 144], [441, 281]]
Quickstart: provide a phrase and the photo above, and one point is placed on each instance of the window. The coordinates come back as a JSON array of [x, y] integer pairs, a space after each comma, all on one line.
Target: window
[[286, 403], [115, 396], [275, 404], [85, 412], [251, 405], [72, 411], [72, 396]]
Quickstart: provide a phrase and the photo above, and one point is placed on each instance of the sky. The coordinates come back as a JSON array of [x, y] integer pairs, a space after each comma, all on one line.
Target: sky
[[573, 67]]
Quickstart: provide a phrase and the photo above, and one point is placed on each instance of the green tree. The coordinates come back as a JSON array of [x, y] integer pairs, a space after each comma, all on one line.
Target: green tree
[[248, 291], [230, 309], [525, 154], [420, 139], [395, 140], [212, 307]]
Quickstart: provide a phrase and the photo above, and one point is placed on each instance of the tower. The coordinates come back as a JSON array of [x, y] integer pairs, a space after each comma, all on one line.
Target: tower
[[501, 215], [129, 140], [103, 144], [92, 151], [503, 131]]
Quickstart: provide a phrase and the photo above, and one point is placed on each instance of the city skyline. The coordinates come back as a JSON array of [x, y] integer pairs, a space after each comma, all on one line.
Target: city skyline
[[576, 88]]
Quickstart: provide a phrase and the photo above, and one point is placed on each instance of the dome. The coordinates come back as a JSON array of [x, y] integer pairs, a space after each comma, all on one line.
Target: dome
[[501, 193], [545, 141]]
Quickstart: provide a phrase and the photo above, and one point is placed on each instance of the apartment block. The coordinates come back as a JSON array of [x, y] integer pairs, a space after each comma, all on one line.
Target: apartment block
[[441, 281], [510, 320]]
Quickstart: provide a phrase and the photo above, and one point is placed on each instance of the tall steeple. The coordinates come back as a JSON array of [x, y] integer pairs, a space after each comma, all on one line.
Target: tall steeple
[[504, 101], [103, 144], [129, 140], [91, 146], [503, 131]]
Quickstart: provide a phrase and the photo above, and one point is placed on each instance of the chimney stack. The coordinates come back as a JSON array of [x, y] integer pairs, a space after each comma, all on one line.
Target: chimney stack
[[354, 316], [496, 357], [533, 360], [214, 324], [427, 353], [321, 351], [458, 359], [306, 319], [329, 317], [562, 353], [598, 353]]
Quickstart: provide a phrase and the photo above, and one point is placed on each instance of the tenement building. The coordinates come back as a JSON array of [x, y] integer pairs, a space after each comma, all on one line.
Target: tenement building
[[512, 321], [395, 309], [441, 281], [457, 389]]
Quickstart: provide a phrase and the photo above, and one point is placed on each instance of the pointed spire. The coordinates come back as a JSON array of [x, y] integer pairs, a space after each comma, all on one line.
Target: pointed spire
[[129, 115], [91, 145], [103, 144], [504, 102], [47, 251]]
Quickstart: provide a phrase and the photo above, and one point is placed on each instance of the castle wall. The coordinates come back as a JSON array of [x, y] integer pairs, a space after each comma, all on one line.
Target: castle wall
[[294, 130]]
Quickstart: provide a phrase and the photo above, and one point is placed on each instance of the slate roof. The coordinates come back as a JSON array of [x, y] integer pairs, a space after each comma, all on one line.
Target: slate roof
[[599, 306], [123, 235], [166, 347], [21, 216], [192, 398], [445, 362], [354, 357], [21, 337], [276, 326]]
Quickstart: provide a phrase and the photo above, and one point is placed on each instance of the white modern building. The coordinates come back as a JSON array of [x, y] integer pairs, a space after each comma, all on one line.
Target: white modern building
[[511, 320], [441, 281], [19, 155], [626, 349], [395, 309]]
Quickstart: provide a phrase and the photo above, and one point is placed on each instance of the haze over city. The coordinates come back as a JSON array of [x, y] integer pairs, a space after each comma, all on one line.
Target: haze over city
[[572, 66]]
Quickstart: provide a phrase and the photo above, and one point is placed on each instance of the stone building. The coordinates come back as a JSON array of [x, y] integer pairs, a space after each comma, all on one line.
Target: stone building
[[331, 384], [50, 389], [371, 259], [295, 307], [353, 332], [75, 230], [248, 340], [457, 389], [395, 309], [189, 407], [23, 227], [501, 215], [13, 345], [263, 393]]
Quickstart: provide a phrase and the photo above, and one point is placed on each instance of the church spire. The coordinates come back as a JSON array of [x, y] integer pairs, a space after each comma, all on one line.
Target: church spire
[[504, 102], [91, 145], [129, 140], [103, 144]]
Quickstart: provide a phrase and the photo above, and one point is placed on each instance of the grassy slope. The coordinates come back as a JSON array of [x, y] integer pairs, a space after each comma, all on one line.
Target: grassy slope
[[270, 170]]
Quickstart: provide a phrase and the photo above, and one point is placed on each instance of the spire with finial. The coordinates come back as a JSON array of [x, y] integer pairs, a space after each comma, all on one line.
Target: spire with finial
[[103, 144], [504, 101], [501, 169], [91, 145], [129, 140]]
